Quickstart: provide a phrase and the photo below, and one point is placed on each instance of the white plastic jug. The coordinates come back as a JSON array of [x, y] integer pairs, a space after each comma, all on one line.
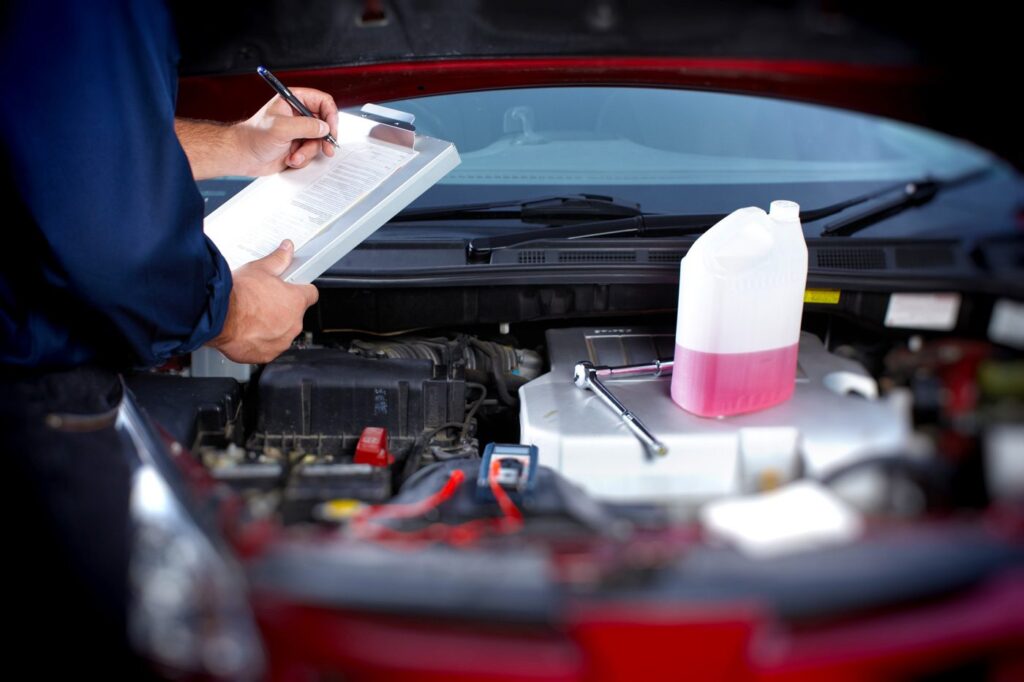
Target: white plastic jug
[[741, 293]]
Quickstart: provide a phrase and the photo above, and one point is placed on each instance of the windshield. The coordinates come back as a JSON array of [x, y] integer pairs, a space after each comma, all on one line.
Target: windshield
[[643, 136], [690, 152], [683, 151]]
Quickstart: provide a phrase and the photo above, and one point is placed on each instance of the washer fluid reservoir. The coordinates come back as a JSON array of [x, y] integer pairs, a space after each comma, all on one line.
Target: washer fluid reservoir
[[741, 292]]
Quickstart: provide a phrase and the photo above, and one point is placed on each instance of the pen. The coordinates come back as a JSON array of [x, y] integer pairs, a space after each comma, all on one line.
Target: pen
[[287, 96]]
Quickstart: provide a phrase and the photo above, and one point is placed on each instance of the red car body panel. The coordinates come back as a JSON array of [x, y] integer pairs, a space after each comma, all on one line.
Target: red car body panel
[[649, 642], [897, 92]]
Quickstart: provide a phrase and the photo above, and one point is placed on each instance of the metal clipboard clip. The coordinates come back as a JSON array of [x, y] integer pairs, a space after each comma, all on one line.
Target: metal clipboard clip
[[396, 127]]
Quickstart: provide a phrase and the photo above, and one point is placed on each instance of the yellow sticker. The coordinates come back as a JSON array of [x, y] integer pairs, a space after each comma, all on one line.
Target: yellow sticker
[[829, 296], [340, 510]]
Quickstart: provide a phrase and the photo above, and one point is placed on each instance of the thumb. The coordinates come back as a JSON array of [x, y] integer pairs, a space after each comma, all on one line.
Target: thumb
[[277, 261], [288, 128]]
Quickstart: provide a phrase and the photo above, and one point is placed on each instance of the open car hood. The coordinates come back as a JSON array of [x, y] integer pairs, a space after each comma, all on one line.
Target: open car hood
[[943, 71]]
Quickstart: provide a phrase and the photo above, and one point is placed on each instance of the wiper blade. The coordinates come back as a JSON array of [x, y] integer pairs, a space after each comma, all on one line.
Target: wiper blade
[[641, 225], [648, 225], [558, 209], [910, 195], [644, 225]]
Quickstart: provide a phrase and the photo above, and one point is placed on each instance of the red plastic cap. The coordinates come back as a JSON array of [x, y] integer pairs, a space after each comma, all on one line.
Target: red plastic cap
[[372, 448]]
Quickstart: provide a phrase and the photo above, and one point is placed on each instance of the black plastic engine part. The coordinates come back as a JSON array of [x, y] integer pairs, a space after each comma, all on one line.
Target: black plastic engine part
[[474, 354], [313, 484], [250, 476], [318, 401], [502, 366], [187, 406], [442, 351]]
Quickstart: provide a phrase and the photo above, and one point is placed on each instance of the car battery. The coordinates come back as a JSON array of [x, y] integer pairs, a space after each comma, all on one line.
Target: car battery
[[312, 484]]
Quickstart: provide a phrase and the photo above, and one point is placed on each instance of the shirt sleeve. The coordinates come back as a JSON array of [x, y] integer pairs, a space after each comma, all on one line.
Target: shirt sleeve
[[87, 120]]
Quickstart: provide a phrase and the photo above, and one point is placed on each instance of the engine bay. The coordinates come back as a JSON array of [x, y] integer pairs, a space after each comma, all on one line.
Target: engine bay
[[367, 455], [359, 420]]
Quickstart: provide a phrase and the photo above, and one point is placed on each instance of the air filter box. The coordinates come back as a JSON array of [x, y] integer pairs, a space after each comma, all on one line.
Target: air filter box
[[318, 401]]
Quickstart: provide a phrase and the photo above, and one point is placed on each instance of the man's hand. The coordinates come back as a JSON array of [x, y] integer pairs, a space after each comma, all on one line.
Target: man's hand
[[277, 137], [264, 313], [274, 138]]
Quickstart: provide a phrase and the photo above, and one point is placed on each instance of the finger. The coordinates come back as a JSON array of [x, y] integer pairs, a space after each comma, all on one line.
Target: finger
[[321, 104], [305, 153], [278, 261], [284, 163], [310, 292], [288, 128], [325, 108]]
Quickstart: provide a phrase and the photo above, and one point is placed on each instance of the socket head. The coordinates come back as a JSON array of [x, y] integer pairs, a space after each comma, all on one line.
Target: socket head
[[581, 374]]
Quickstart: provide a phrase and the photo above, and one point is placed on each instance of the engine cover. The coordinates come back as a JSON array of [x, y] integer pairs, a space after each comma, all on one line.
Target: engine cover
[[318, 401], [834, 417]]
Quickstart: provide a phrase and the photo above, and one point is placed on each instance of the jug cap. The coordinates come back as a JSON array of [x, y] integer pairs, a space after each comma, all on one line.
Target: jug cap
[[784, 210]]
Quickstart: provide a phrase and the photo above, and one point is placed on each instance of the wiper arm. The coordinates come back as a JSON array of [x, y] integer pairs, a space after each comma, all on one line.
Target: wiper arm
[[641, 225], [646, 224], [912, 194], [558, 209]]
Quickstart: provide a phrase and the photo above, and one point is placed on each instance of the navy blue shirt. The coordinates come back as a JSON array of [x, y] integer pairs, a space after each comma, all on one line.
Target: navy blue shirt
[[104, 260]]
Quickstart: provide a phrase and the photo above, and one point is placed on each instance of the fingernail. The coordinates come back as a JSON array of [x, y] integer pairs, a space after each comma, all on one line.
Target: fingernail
[[286, 245], [298, 159], [324, 128]]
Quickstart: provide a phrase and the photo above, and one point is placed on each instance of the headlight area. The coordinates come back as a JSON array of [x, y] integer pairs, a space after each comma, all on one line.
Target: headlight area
[[188, 612]]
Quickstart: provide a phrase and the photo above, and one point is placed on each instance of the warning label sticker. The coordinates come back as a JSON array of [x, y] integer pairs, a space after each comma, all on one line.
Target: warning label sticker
[[828, 296]]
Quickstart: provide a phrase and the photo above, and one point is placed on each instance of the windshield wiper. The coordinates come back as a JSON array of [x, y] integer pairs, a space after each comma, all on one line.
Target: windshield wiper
[[648, 224], [558, 209], [641, 225], [910, 195]]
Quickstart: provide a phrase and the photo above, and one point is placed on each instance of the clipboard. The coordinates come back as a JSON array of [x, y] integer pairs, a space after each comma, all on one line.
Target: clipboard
[[431, 160]]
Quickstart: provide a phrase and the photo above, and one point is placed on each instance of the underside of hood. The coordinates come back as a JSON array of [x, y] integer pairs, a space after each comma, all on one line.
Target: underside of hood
[[948, 71]]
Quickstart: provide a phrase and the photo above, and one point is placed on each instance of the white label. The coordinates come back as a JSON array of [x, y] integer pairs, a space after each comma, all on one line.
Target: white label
[[1007, 323], [923, 311], [794, 518]]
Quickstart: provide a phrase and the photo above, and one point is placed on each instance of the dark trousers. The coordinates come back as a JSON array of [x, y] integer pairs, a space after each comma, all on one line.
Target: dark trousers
[[67, 474]]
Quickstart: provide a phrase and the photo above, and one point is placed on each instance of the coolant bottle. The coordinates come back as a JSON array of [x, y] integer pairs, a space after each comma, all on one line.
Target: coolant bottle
[[741, 292]]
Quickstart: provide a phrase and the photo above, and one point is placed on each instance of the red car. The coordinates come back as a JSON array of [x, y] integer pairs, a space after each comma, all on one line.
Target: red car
[[277, 536]]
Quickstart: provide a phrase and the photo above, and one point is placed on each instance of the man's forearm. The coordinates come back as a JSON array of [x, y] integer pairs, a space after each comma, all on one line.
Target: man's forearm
[[273, 139], [211, 147]]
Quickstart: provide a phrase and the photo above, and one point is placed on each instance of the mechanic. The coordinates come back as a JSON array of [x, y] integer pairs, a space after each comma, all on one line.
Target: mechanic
[[106, 268]]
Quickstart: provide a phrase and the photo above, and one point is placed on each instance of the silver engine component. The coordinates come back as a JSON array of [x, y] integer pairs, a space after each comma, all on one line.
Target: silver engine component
[[834, 418]]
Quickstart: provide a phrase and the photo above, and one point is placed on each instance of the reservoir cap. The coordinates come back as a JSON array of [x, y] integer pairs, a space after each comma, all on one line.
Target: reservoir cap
[[784, 210]]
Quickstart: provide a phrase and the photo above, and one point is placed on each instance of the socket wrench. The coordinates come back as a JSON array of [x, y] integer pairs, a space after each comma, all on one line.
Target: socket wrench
[[587, 376]]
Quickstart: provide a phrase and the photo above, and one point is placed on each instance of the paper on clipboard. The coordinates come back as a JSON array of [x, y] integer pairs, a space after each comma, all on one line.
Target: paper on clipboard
[[297, 205], [334, 203]]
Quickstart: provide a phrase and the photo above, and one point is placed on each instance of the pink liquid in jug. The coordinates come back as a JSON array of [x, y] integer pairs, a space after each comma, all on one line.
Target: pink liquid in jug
[[718, 384]]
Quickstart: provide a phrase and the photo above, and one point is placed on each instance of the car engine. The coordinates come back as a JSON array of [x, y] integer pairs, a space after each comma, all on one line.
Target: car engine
[[467, 472], [343, 421]]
